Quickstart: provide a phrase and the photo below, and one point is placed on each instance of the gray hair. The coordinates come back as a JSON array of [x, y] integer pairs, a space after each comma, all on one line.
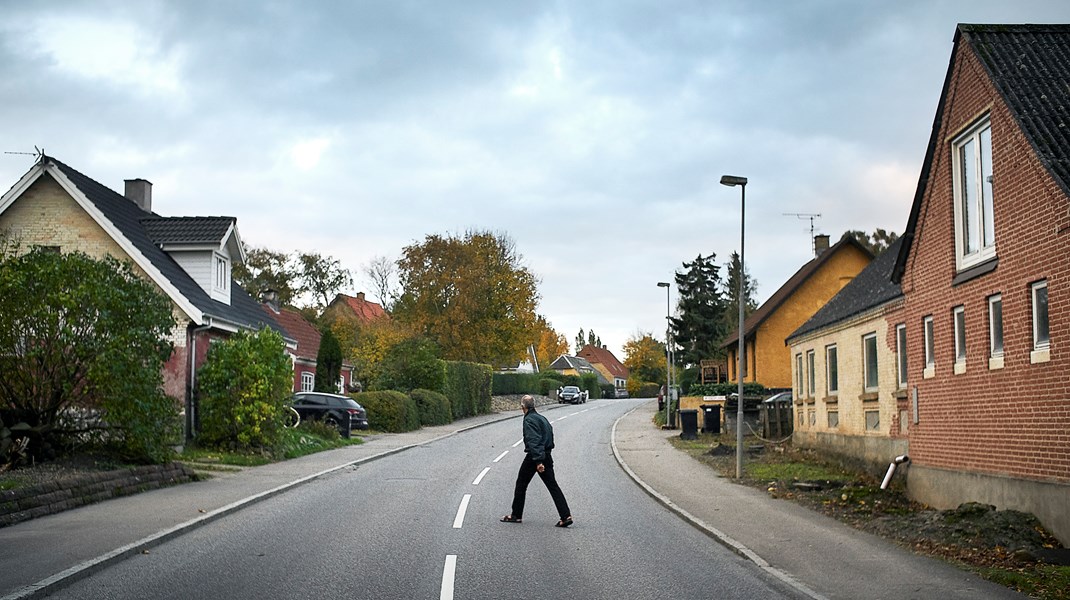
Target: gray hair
[[527, 402]]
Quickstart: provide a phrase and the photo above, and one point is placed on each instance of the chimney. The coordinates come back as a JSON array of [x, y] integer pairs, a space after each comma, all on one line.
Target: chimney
[[139, 192], [360, 296], [821, 243], [271, 298]]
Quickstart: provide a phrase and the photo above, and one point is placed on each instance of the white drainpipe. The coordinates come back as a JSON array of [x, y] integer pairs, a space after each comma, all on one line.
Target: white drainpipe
[[899, 460]]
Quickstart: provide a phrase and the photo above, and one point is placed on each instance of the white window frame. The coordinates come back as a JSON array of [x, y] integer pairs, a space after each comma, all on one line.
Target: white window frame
[[832, 370], [811, 374], [799, 373], [867, 370], [308, 381], [973, 193], [1041, 323], [995, 331], [220, 273], [901, 351], [958, 319], [927, 326]]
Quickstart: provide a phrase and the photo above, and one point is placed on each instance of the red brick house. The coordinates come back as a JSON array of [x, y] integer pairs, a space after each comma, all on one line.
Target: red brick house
[[306, 351], [985, 274], [354, 307]]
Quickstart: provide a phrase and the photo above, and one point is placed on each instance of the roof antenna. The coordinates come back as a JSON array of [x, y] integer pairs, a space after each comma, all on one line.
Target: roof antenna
[[38, 153], [811, 216]]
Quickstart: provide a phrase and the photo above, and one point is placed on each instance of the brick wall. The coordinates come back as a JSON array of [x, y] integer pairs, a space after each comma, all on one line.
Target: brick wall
[[1015, 420]]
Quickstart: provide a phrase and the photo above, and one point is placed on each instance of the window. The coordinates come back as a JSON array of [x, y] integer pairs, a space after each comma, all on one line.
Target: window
[[832, 378], [869, 367], [901, 348], [959, 315], [930, 348], [833, 419], [222, 274], [308, 381], [873, 420], [1041, 338], [799, 375], [974, 226], [995, 325], [811, 389]]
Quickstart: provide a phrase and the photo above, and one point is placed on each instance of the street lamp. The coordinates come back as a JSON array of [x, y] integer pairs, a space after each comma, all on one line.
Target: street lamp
[[668, 367], [732, 181]]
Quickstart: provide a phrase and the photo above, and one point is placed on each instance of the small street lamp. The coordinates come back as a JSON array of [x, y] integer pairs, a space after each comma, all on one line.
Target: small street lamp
[[732, 181], [668, 366]]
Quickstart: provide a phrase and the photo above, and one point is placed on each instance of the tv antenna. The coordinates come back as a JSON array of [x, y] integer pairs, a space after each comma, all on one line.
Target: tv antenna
[[37, 152], [811, 216]]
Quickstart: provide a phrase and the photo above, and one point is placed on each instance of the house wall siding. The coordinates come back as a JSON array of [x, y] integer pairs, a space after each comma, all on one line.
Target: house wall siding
[[989, 425]]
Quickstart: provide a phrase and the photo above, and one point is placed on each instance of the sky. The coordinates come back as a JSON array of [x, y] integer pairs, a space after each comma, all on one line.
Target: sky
[[593, 134]]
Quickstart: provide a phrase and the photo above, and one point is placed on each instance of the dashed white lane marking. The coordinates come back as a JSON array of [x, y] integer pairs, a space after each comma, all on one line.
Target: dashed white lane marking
[[459, 520], [448, 572], [519, 442], [481, 476], [501, 456], [575, 413]]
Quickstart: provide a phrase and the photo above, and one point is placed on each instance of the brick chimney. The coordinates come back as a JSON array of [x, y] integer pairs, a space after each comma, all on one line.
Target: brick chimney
[[821, 243], [271, 298], [139, 191]]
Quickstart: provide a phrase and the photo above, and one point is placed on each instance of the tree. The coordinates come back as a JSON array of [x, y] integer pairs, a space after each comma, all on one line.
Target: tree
[[590, 339], [366, 345], [470, 295], [83, 333], [701, 327], [550, 344], [244, 388], [731, 294], [579, 341], [322, 277], [328, 363], [268, 270], [382, 272], [412, 364], [876, 243], [644, 357]]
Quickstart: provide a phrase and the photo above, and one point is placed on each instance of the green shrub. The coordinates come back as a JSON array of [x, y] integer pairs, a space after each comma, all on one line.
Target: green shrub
[[609, 390], [548, 385], [516, 383], [589, 382], [390, 411], [468, 388], [643, 389], [244, 389], [727, 389], [434, 408], [411, 364]]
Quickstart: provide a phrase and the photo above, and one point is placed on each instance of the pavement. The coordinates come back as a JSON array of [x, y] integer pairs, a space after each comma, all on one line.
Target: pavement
[[818, 556]]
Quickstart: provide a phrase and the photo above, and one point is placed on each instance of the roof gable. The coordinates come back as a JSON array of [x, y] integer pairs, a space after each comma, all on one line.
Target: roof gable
[[299, 329], [597, 355], [365, 310]]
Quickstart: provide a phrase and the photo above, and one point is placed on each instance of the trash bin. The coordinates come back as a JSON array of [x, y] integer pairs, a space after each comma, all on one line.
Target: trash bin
[[688, 424], [711, 418]]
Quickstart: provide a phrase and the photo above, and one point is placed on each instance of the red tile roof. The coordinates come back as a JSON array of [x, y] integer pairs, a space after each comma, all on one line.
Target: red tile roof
[[307, 336], [363, 309], [596, 355]]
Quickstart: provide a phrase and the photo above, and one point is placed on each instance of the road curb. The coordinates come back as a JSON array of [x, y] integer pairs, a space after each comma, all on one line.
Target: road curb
[[711, 531], [89, 567]]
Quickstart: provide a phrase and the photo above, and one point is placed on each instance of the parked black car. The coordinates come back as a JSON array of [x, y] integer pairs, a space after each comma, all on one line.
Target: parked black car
[[332, 409], [572, 394]]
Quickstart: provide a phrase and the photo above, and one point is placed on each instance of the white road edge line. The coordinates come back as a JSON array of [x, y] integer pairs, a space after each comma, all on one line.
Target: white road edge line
[[501, 456], [448, 573], [481, 476], [461, 510], [708, 529]]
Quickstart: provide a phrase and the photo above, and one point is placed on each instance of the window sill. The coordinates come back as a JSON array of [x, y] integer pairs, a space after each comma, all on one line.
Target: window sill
[[929, 372], [975, 271], [900, 394], [995, 363], [960, 368], [869, 396], [810, 400], [831, 399], [1040, 355]]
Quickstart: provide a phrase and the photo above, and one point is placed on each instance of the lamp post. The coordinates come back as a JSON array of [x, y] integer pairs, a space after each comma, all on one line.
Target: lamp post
[[668, 366], [732, 181]]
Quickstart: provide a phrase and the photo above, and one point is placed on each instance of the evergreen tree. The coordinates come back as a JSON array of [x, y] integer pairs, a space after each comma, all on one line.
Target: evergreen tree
[[328, 363], [579, 341], [731, 294], [700, 327]]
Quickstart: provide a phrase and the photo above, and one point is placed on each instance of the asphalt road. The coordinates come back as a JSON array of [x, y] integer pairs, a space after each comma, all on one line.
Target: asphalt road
[[424, 524]]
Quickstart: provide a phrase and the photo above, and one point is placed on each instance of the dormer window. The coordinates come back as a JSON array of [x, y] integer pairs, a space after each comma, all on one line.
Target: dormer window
[[975, 232], [221, 283]]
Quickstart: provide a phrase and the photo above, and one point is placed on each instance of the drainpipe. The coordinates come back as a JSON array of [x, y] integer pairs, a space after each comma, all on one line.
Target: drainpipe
[[899, 460], [190, 404]]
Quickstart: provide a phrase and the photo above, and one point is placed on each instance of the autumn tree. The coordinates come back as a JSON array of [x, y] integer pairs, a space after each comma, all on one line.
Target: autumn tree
[[876, 242], [644, 357], [367, 344], [549, 343], [472, 296], [700, 327], [731, 294]]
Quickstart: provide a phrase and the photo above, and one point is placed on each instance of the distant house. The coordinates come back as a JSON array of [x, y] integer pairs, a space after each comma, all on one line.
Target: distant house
[[847, 381], [574, 365], [605, 363], [354, 307], [306, 352], [985, 272], [189, 259], [766, 358]]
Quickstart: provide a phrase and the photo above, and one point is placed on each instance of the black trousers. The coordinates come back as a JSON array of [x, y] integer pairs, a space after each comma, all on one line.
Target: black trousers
[[523, 478]]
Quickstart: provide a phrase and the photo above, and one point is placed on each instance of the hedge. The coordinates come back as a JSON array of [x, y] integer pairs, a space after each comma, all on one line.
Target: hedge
[[726, 389], [390, 411], [434, 408], [468, 386]]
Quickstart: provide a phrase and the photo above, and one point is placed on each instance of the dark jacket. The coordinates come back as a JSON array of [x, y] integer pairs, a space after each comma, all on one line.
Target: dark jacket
[[538, 436]]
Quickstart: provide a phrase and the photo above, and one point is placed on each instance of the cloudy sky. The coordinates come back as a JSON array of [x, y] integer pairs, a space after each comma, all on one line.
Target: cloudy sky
[[593, 133]]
